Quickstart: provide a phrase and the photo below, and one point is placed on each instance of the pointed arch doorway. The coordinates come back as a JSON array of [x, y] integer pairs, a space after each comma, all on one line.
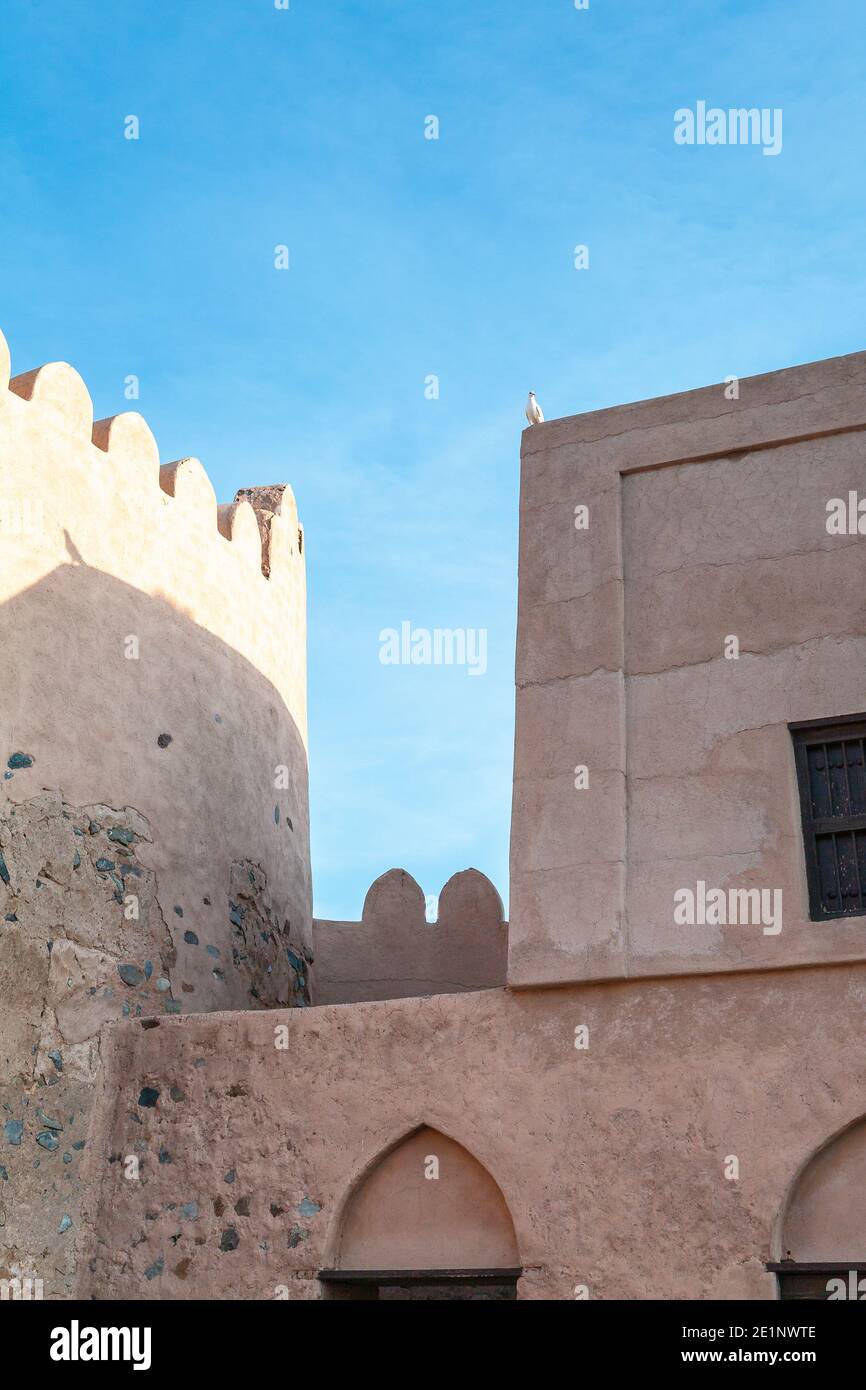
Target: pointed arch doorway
[[426, 1222], [823, 1233]]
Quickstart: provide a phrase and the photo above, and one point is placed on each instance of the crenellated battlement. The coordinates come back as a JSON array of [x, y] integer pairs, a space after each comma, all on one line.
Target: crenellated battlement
[[265, 533], [154, 811], [158, 645], [395, 953], [95, 492]]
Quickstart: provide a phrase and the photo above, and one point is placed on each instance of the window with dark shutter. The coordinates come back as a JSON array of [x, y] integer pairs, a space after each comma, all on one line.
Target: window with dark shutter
[[832, 779]]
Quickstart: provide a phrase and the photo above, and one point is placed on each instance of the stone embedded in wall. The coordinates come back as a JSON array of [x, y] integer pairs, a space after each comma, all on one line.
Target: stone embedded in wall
[[82, 942], [138, 677], [104, 551], [78, 897], [611, 1161], [276, 514], [199, 1209], [263, 951]]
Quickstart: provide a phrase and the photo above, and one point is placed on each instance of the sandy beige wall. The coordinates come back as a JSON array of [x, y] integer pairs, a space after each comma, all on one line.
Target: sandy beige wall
[[193, 731], [735, 547], [611, 1159], [707, 519], [154, 837], [395, 953]]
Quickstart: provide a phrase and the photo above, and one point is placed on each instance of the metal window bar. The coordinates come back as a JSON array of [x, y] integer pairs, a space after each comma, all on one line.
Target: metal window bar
[[833, 811]]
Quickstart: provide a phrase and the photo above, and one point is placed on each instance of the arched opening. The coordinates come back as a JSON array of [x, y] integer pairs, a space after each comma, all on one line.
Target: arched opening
[[824, 1225], [427, 1221]]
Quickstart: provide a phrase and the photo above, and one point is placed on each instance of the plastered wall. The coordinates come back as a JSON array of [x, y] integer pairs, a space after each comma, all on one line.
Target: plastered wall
[[155, 666], [197, 1139], [826, 1215], [395, 953], [444, 1211], [706, 519], [154, 837], [611, 1158]]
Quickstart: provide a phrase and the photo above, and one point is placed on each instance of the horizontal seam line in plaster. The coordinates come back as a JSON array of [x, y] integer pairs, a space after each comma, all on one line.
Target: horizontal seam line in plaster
[[740, 564], [704, 770], [741, 451], [581, 676], [669, 976], [595, 496], [697, 855], [615, 578], [555, 776], [776, 442], [410, 980], [572, 864], [747, 651]]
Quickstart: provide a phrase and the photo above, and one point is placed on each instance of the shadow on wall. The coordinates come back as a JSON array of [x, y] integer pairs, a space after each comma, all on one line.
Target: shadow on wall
[[144, 869], [188, 733], [395, 953]]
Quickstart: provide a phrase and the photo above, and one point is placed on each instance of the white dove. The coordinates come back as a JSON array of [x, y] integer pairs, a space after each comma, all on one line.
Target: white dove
[[534, 413]]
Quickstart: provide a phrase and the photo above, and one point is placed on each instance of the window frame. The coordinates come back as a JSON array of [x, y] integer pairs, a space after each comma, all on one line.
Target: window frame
[[804, 735]]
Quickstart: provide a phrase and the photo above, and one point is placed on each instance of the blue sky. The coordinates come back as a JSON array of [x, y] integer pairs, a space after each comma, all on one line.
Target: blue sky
[[412, 257]]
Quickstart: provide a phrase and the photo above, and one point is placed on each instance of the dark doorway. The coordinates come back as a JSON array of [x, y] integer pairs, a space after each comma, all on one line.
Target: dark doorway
[[819, 1281], [421, 1285]]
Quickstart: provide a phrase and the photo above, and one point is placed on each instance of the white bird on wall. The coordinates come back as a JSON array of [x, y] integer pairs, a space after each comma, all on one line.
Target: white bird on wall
[[534, 413]]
